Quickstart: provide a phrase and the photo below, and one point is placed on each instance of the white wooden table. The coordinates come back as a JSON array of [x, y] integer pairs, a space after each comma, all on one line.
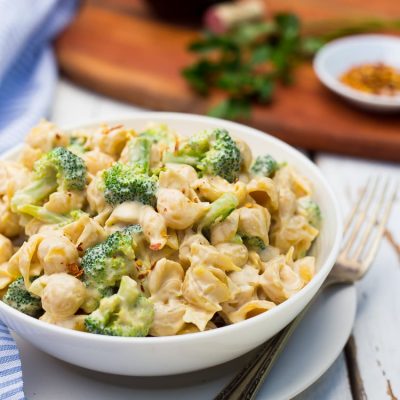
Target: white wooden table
[[369, 367]]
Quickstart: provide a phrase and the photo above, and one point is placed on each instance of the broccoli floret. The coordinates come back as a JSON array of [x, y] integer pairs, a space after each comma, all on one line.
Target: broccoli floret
[[124, 183], [264, 165], [139, 153], [237, 239], [77, 145], [253, 242], [94, 296], [198, 144], [219, 210], [59, 168], [160, 134], [68, 169], [49, 217], [192, 151], [34, 193], [211, 153], [131, 181], [181, 158], [126, 313], [223, 159], [19, 298], [106, 263], [310, 209]]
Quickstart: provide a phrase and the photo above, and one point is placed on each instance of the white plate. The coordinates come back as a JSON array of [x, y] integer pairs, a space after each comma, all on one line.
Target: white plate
[[314, 347], [340, 55]]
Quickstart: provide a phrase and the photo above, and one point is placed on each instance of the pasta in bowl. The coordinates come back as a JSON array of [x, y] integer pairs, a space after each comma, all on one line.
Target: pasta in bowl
[[169, 234]]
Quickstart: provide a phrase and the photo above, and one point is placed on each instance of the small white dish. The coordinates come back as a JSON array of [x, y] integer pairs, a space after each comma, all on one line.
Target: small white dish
[[338, 56], [152, 356], [319, 339]]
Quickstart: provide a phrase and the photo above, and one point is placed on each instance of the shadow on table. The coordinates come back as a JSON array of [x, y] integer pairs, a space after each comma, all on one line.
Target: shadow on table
[[221, 373]]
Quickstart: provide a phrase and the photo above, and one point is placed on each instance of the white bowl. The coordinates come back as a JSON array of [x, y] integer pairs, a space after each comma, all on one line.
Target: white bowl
[[338, 56], [152, 356]]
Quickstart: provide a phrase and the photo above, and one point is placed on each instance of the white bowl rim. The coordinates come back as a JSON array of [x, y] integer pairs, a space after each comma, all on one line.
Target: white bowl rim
[[334, 83], [326, 264]]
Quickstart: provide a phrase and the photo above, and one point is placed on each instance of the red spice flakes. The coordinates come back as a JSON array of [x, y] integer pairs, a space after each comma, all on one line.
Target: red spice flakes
[[155, 246], [106, 129], [75, 270], [143, 274]]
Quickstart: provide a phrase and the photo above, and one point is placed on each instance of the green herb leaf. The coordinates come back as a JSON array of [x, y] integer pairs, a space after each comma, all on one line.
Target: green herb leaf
[[247, 33], [246, 62], [288, 25], [310, 45], [263, 87], [211, 42], [199, 75], [261, 54], [231, 109]]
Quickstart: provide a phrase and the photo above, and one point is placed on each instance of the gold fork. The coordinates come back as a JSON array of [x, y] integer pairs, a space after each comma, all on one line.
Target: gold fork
[[363, 232]]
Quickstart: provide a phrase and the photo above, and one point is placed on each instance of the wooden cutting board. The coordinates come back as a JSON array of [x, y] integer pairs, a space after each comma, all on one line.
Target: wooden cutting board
[[115, 47]]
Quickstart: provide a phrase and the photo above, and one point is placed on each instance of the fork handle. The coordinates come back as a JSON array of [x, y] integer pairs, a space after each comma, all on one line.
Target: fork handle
[[246, 384], [248, 381]]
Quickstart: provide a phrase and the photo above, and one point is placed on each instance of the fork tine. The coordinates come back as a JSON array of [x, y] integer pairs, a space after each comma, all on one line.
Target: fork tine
[[371, 222], [381, 229], [356, 206], [361, 214]]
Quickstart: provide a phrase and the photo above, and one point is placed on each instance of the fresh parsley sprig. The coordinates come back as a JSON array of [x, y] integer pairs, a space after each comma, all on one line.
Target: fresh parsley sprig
[[246, 62]]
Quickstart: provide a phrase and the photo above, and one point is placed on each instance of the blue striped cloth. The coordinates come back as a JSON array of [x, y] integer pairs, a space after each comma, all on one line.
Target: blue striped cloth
[[28, 75], [28, 72], [11, 385]]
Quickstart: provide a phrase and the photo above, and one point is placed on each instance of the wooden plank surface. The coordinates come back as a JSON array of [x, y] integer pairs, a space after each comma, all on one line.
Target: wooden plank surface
[[134, 58], [375, 349]]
